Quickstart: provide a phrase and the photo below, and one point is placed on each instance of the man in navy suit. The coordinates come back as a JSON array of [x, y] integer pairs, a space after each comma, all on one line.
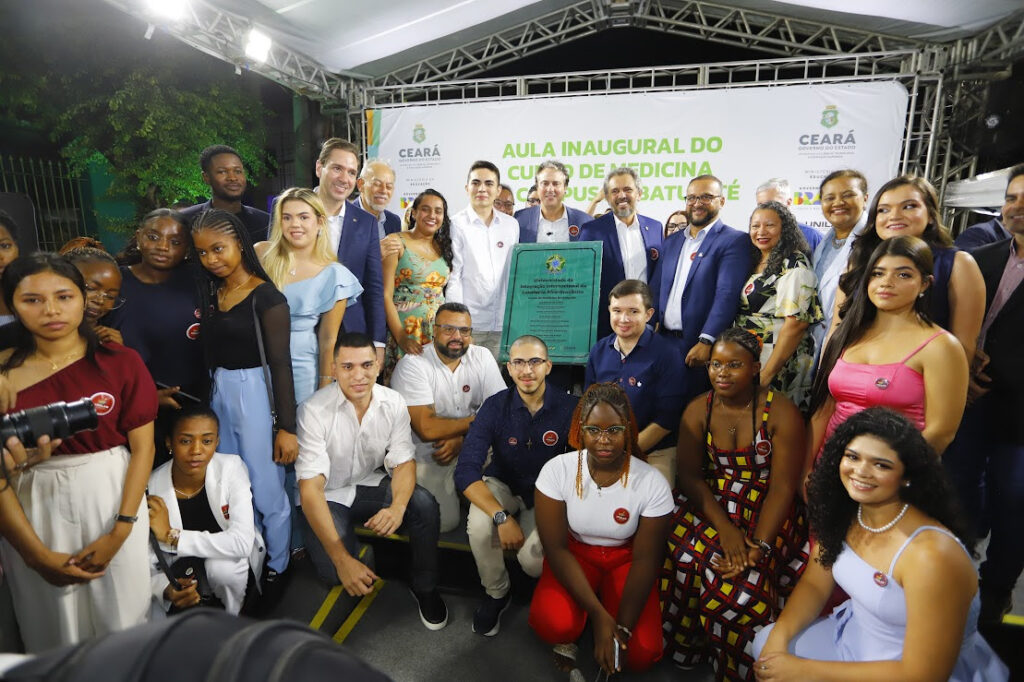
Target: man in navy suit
[[632, 242], [376, 186], [353, 234], [697, 284], [778, 189], [552, 220], [986, 460]]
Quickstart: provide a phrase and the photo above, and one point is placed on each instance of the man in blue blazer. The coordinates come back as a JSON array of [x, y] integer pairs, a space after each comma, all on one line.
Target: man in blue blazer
[[697, 284], [376, 187], [552, 220], [353, 234], [623, 227]]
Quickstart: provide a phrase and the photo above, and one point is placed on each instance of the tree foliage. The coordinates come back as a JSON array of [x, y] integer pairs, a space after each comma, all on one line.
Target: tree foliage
[[147, 107]]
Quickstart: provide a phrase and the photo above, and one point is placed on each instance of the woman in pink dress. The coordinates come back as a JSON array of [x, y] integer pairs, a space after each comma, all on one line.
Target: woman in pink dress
[[888, 352]]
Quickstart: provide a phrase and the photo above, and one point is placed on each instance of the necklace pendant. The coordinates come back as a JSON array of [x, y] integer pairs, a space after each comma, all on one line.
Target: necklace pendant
[[881, 579]]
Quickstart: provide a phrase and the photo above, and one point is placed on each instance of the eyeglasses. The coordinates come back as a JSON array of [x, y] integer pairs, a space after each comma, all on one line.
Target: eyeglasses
[[732, 364], [113, 301], [450, 330], [504, 204], [596, 432], [533, 202], [701, 198], [519, 363]]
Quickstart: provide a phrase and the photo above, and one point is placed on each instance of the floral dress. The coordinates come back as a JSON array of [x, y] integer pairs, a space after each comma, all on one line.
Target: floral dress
[[706, 617], [419, 292], [765, 303]]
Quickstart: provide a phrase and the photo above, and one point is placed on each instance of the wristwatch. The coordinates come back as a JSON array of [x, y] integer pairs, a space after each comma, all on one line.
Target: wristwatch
[[766, 549], [706, 342], [500, 517]]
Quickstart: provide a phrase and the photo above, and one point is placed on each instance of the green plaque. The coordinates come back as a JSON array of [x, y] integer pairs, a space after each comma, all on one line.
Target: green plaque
[[553, 294]]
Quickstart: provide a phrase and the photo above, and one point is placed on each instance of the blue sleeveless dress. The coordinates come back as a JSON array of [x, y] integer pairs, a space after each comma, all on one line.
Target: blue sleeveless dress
[[871, 625], [308, 300]]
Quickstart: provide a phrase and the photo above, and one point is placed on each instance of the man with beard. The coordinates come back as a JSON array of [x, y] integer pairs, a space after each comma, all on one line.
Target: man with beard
[[697, 285], [224, 173], [632, 242], [521, 429], [444, 387]]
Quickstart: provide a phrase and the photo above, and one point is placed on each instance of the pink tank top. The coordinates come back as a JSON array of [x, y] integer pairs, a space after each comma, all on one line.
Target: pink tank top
[[856, 387]]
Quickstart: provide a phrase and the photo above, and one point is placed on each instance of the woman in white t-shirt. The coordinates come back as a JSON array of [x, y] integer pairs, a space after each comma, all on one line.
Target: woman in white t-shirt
[[602, 515]]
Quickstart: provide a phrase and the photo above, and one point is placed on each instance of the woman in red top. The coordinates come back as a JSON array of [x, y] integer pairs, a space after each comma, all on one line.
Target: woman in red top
[[74, 527]]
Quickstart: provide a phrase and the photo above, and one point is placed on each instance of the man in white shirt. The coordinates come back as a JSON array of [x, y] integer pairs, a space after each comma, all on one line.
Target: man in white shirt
[[482, 241], [444, 387], [348, 431], [353, 235]]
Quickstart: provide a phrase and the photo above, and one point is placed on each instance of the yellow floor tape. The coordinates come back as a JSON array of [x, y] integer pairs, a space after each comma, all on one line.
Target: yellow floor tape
[[330, 600], [357, 613]]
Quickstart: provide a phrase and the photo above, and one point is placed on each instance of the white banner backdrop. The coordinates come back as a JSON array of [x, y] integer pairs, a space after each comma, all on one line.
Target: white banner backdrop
[[744, 136]]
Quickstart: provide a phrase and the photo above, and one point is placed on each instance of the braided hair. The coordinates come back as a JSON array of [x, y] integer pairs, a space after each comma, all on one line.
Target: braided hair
[[751, 343], [613, 395]]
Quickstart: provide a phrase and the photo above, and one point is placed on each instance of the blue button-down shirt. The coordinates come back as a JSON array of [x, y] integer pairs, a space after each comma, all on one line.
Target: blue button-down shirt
[[651, 375], [521, 443]]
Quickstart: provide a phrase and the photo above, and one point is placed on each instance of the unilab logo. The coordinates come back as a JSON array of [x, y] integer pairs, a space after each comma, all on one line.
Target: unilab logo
[[555, 263], [830, 116], [419, 133]]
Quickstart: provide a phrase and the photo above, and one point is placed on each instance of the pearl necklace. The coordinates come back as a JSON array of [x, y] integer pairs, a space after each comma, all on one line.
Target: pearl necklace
[[860, 519]]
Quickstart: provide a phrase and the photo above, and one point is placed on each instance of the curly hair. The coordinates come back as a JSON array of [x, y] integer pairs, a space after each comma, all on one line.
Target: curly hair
[[859, 312], [935, 234], [791, 240], [830, 509], [443, 236]]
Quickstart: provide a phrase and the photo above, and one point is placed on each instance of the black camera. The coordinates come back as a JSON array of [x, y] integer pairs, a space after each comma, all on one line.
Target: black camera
[[56, 420]]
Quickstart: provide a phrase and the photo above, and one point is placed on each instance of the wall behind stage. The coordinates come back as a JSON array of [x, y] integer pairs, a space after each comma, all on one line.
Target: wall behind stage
[[743, 135]]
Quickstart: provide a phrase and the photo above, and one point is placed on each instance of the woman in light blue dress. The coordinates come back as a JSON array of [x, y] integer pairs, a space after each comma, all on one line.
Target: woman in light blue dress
[[300, 263], [889, 535]]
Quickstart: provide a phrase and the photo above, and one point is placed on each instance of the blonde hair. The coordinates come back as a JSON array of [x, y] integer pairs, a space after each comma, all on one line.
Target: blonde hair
[[278, 259]]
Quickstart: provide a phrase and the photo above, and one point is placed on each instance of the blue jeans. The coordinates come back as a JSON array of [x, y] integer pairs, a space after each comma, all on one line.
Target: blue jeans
[[988, 475], [421, 523]]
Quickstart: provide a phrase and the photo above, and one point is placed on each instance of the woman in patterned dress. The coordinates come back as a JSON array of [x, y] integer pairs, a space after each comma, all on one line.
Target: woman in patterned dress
[[738, 539], [414, 280], [780, 301]]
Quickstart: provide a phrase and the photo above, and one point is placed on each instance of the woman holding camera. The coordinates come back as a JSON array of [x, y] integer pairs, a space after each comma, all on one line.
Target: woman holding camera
[[74, 543]]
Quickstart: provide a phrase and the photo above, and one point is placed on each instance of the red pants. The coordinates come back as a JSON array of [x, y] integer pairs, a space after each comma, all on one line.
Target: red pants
[[558, 619]]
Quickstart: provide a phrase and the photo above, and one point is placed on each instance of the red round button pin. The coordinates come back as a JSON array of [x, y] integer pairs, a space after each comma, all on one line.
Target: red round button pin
[[621, 515], [550, 438]]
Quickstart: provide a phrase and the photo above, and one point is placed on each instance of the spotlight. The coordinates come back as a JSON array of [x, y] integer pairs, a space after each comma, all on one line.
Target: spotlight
[[992, 121], [171, 10], [257, 47]]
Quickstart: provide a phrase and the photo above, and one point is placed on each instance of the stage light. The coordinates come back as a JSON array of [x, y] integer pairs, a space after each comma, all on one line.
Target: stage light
[[257, 47], [171, 10]]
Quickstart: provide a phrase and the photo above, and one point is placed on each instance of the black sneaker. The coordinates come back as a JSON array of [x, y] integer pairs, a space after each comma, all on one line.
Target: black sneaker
[[487, 617], [433, 611], [272, 591]]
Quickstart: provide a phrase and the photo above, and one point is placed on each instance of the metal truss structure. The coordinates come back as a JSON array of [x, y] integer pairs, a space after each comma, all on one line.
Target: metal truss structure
[[948, 82], [223, 35]]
